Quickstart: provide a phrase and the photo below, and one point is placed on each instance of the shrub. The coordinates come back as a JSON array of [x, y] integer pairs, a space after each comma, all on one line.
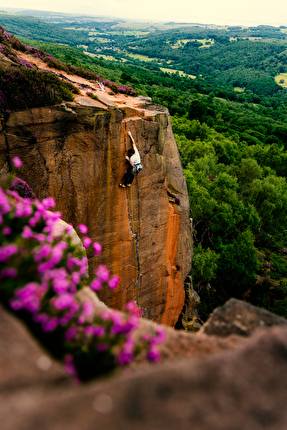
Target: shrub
[[93, 96], [27, 88]]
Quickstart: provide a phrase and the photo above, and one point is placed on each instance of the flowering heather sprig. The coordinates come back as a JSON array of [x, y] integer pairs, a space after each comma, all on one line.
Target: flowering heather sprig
[[22, 188], [25, 64], [41, 274], [153, 354]]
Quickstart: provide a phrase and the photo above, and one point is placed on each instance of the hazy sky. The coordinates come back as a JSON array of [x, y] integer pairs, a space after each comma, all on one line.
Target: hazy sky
[[248, 12]]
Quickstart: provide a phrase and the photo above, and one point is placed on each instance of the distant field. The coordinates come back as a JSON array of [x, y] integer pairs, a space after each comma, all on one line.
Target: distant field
[[238, 89], [180, 72], [147, 26], [141, 57], [206, 42], [130, 33], [105, 57], [281, 77], [99, 39]]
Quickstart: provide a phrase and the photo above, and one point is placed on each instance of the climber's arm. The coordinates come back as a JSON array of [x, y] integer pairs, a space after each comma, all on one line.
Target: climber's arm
[[132, 139]]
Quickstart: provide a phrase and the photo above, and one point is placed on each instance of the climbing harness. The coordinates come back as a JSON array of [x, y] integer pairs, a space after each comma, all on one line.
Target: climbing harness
[[137, 168]]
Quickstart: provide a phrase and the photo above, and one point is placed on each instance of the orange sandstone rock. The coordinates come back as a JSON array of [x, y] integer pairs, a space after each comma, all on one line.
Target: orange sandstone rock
[[78, 158]]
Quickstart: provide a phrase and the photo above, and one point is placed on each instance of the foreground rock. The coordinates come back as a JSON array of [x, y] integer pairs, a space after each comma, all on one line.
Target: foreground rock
[[238, 317], [75, 153], [212, 382]]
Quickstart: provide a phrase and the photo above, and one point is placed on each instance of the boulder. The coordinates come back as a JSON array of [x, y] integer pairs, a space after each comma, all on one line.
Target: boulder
[[206, 382], [238, 317], [23, 362]]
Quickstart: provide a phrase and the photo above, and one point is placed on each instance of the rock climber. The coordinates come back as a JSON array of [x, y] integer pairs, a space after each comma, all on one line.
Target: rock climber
[[134, 164]]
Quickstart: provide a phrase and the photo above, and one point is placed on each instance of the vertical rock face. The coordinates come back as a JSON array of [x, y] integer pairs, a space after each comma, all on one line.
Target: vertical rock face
[[77, 157]]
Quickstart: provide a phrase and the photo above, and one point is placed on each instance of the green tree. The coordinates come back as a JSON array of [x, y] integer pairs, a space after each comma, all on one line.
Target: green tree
[[238, 265]]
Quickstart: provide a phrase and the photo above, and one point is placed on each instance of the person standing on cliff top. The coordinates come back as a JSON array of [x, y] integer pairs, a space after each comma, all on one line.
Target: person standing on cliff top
[[134, 161]]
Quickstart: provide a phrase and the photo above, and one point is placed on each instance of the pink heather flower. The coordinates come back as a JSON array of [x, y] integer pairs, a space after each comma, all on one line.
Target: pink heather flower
[[83, 228], [87, 241], [81, 320], [131, 306], [17, 162], [69, 228], [105, 315], [40, 318], [4, 203], [30, 296], [102, 347], [6, 230], [97, 248], [83, 265], [48, 203], [146, 337], [153, 355], [69, 366], [71, 333], [41, 237], [88, 330], [10, 272], [61, 283], [132, 323], [63, 301], [102, 273], [70, 314], [24, 209], [118, 329], [50, 324], [57, 253], [99, 331], [125, 358], [96, 285], [7, 251], [71, 262], [43, 251], [113, 282], [27, 232], [116, 317], [15, 304], [88, 309], [76, 277], [160, 338], [126, 355]]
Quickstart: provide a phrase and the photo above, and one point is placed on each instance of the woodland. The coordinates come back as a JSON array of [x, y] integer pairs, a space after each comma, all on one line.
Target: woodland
[[225, 89]]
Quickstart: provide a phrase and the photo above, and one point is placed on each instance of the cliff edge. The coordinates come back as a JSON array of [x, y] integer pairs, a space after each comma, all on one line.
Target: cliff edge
[[75, 152]]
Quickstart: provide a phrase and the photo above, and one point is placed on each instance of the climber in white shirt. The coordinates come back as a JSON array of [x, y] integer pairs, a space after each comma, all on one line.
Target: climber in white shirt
[[134, 166]]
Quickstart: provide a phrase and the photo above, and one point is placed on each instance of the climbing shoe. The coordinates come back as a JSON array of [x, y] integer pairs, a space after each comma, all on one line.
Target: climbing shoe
[[129, 185], [122, 185]]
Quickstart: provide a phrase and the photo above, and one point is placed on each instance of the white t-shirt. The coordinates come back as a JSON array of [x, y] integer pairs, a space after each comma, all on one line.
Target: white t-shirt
[[135, 158]]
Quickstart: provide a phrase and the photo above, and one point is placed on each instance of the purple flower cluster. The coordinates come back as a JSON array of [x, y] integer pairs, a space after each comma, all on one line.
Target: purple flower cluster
[[25, 64], [22, 188], [153, 354]]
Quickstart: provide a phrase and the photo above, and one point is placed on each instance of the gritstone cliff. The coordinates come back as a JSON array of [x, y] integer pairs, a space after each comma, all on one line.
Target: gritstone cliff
[[75, 153]]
